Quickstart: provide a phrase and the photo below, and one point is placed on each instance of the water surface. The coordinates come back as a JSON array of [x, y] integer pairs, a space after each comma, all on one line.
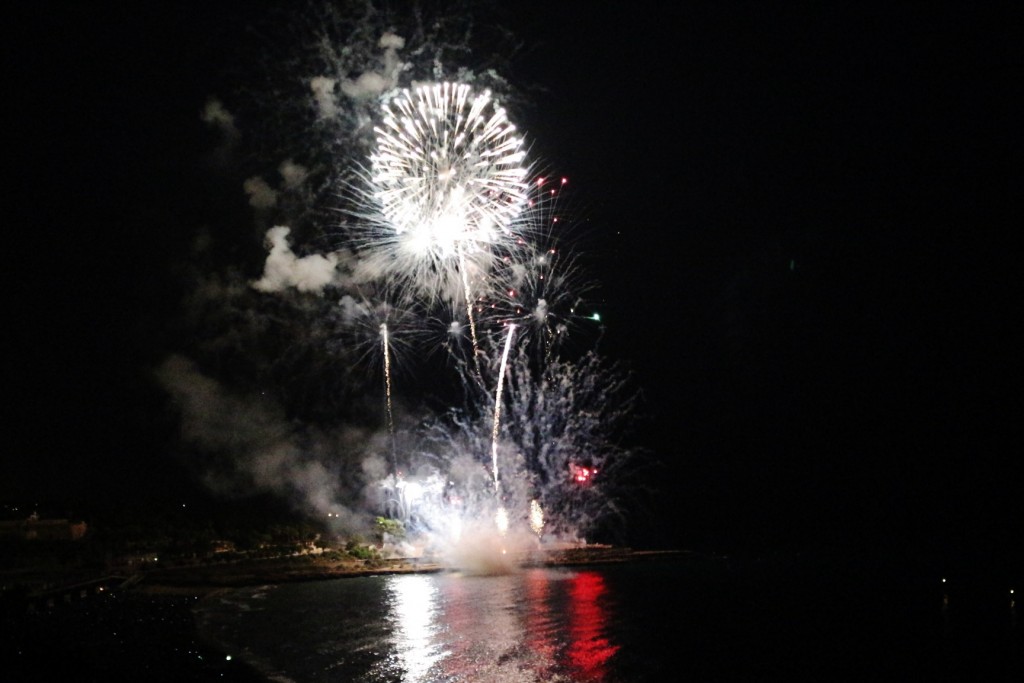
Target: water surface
[[688, 618]]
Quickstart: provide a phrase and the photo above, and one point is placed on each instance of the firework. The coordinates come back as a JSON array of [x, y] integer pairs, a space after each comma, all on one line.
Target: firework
[[439, 200], [496, 429], [387, 385], [377, 333], [540, 285], [536, 517], [448, 167], [451, 242], [543, 293]]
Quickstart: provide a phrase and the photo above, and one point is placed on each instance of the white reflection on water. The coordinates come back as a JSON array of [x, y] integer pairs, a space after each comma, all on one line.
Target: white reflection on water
[[529, 626], [413, 605]]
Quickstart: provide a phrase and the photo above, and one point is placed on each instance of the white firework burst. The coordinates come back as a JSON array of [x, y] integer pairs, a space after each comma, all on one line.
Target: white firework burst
[[447, 180], [448, 166]]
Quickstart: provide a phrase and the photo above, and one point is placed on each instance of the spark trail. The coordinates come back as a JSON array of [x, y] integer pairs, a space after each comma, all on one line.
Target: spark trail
[[469, 312], [502, 518], [387, 390]]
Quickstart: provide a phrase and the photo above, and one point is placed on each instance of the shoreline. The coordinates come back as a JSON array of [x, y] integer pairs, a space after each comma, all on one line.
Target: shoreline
[[182, 591], [208, 580]]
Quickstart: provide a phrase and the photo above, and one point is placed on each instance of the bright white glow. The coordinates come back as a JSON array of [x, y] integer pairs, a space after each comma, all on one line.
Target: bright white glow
[[455, 528], [413, 491], [501, 520], [448, 167], [387, 377], [536, 517], [413, 606]]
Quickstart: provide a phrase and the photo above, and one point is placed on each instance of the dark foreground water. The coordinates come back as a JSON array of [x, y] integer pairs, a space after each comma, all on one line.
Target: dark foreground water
[[115, 637], [686, 618], [792, 617]]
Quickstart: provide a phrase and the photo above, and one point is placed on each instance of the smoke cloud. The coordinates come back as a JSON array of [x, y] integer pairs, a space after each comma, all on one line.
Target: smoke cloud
[[323, 96], [247, 446], [293, 174], [371, 84], [261, 194], [216, 115], [284, 269]]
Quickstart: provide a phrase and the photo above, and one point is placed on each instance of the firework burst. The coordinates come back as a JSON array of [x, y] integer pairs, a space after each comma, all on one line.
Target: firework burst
[[448, 167], [540, 286], [445, 184], [375, 329]]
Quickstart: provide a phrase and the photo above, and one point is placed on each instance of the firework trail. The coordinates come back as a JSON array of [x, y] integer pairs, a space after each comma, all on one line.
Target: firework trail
[[497, 408], [469, 312], [387, 389], [502, 518]]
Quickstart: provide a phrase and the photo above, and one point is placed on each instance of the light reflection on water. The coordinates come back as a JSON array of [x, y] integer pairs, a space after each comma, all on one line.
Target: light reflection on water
[[533, 625], [413, 607], [537, 625], [637, 622], [590, 648]]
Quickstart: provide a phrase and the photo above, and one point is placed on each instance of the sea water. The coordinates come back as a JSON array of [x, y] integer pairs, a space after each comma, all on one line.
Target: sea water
[[688, 618]]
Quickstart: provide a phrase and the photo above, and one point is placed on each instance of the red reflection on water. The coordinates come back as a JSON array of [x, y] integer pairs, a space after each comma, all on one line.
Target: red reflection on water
[[589, 648], [538, 625], [459, 619]]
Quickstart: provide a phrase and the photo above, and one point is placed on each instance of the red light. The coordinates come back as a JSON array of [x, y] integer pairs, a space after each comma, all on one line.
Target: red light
[[580, 474]]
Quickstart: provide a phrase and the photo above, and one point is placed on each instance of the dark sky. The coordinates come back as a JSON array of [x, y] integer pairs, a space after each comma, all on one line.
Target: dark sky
[[802, 217]]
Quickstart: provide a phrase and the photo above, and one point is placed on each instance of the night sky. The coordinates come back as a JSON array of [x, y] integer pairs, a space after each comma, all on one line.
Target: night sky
[[801, 216]]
